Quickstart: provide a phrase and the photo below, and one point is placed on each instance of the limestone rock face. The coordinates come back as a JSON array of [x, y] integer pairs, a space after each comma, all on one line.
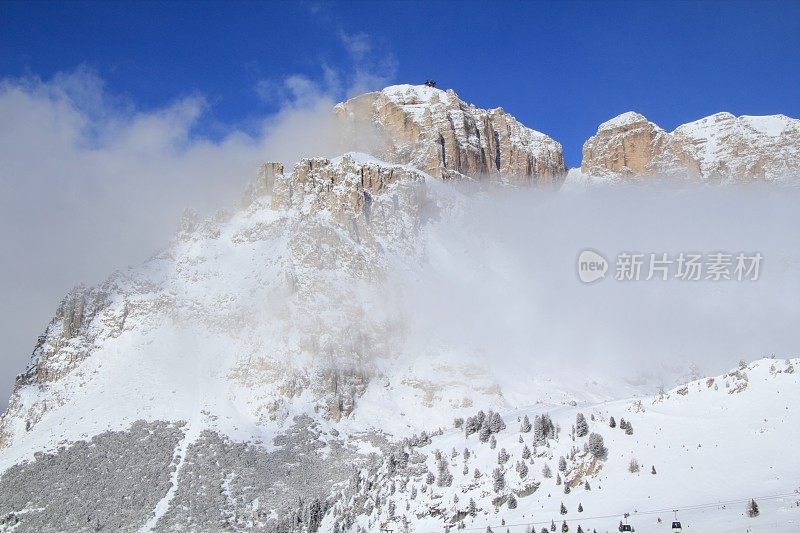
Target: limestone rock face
[[626, 145], [718, 148], [264, 182], [435, 131]]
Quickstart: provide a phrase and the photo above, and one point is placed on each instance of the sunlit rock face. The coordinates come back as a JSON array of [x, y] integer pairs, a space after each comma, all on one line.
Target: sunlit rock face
[[714, 149], [437, 132]]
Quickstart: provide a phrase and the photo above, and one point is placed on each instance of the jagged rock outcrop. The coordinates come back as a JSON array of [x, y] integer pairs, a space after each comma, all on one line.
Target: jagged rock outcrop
[[435, 131], [718, 148], [68, 338]]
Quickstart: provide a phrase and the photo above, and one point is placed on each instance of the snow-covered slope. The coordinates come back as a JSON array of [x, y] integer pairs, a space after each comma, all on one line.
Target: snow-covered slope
[[704, 449]]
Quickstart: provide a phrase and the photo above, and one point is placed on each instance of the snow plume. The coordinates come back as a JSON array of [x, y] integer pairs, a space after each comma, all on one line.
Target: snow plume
[[500, 285], [91, 184]]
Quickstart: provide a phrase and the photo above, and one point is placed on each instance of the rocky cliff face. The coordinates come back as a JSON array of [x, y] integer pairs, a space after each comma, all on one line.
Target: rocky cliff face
[[437, 132], [715, 149]]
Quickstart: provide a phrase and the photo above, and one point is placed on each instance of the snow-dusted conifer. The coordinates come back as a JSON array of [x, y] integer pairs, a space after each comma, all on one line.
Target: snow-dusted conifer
[[752, 509], [503, 456], [581, 426], [499, 480], [596, 445], [472, 509]]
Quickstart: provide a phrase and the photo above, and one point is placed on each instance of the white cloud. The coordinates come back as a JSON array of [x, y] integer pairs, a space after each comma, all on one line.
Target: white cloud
[[90, 184], [364, 70]]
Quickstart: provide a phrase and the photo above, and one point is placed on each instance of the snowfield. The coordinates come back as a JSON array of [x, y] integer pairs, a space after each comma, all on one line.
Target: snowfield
[[692, 436]]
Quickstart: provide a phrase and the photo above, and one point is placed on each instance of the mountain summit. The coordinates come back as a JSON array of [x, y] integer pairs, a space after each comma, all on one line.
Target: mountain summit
[[718, 148]]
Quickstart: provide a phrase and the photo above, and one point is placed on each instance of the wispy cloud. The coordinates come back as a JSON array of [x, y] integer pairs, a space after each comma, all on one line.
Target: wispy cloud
[[366, 68], [91, 183]]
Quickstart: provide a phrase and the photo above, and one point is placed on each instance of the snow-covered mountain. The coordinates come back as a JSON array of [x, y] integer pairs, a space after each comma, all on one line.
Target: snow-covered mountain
[[714, 149], [435, 131], [269, 369]]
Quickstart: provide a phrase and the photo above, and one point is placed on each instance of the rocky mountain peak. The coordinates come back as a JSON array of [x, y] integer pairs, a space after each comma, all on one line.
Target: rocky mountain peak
[[718, 148], [437, 132]]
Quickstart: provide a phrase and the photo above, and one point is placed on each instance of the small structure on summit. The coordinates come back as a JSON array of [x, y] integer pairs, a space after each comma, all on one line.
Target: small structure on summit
[[430, 83]]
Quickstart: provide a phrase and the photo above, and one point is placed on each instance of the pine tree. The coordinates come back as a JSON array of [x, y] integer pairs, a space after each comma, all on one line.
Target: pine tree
[[496, 423], [633, 466], [552, 525], [622, 423], [567, 490], [492, 442], [458, 423], [512, 502], [503, 456], [564, 526], [752, 509], [429, 479], [472, 509], [628, 429], [653, 470], [526, 425], [612, 423], [476, 474], [563, 508], [484, 433], [546, 472], [499, 480], [581, 426], [471, 426], [558, 479], [562, 464], [579, 529], [586, 485], [526, 452], [580, 507], [596, 445], [538, 430], [522, 470]]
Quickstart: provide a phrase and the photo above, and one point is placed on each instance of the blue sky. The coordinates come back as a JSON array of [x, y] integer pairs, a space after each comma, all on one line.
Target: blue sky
[[560, 67]]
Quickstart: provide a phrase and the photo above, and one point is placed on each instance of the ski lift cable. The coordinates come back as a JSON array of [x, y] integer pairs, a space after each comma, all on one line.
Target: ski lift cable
[[633, 514]]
